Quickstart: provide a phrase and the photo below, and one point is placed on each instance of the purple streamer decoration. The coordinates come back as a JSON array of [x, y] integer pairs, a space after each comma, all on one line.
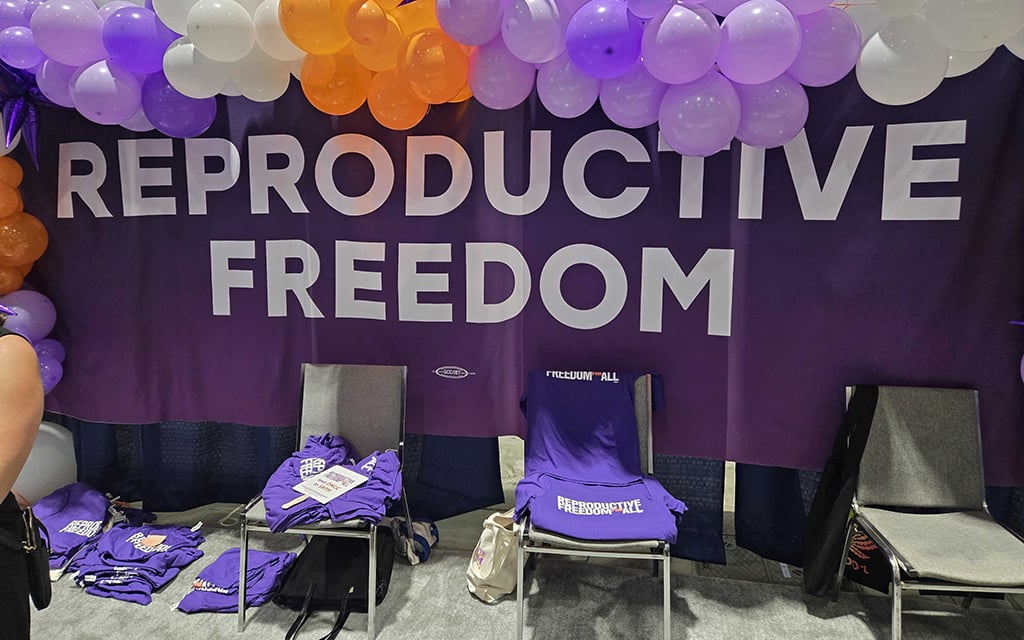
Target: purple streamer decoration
[[20, 100]]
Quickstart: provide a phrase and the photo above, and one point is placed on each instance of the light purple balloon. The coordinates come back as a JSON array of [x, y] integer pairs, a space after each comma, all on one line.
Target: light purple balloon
[[772, 113], [54, 80], [533, 30], [603, 38], [51, 372], [499, 80], [108, 9], [138, 122], [69, 31], [804, 7], [647, 9], [760, 39], [174, 114], [568, 8], [702, 117], [12, 13], [106, 92], [30, 8], [564, 90], [36, 314], [18, 48], [471, 22], [722, 7], [829, 47], [136, 39], [681, 45], [50, 348], [632, 100]]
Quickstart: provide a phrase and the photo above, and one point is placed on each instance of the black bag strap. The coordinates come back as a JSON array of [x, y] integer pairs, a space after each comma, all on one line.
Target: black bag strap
[[303, 615], [343, 613]]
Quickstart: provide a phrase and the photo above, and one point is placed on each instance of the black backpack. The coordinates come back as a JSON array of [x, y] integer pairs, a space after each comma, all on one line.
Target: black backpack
[[330, 575]]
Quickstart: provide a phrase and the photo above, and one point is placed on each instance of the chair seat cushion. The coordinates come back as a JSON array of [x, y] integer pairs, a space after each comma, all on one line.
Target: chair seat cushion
[[964, 547], [541, 536], [258, 516]]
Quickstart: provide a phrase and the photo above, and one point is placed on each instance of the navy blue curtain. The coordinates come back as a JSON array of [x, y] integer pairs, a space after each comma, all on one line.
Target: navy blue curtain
[[173, 466], [700, 483]]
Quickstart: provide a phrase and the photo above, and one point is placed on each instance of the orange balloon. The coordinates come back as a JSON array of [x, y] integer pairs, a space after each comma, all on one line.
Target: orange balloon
[[10, 201], [392, 104], [465, 94], [366, 22], [10, 172], [389, 5], [25, 268], [383, 54], [433, 65], [315, 26], [22, 239], [10, 279], [416, 15], [335, 84]]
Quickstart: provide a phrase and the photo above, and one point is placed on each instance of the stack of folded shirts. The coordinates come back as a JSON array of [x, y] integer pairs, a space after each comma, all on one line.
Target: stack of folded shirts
[[320, 453], [73, 516], [370, 500], [129, 563], [216, 587]]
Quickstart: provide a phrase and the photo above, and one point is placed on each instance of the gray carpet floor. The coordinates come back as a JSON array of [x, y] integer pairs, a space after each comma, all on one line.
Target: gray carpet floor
[[568, 599]]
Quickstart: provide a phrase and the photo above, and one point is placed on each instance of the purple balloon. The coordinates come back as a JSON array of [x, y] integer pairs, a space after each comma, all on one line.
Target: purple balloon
[[702, 117], [174, 114], [30, 8], [603, 38], [106, 92], [18, 48], [533, 30], [136, 39], [829, 47], [632, 100], [51, 372], [50, 348], [772, 113], [499, 80], [54, 80], [681, 45], [760, 39], [564, 90], [647, 9], [12, 13], [471, 22], [803, 7], [722, 7], [109, 8], [36, 314], [69, 31]]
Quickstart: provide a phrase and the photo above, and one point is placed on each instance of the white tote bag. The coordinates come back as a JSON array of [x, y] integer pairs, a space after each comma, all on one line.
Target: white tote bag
[[492, 569]]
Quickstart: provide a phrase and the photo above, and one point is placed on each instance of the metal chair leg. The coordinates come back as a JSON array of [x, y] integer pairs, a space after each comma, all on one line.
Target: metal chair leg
[[520, 583], [667, 589], [371, 586], [842, 561], [243, 552], [897, 603]]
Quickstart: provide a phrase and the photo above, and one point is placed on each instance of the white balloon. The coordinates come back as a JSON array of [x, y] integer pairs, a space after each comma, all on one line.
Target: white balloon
[[192, 73], [869, 19], [222, 30], [230, 90], [174, 13], [1016, 44], [902, 63], [250, 5], [961, 62], [269, 35], [900, 8], [974, 25], [50, 465], [138, 122], [261, 78]]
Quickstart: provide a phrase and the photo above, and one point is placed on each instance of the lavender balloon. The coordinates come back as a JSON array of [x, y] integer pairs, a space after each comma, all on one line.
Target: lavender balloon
[[702, 117], [18, 48], [36, 314], [647, 9], [51, 372], [632, 100], [109, 8], [603, 38], [106, 93], [532, 30], [829, 47], [722, 7], [772, 112], [760, 39], [471, 22], [54, 80], [30, 8], [499, 80], [69, 31], [12, 13], [804, 7], [50, 348], [136, 39], [564, 90], [681, 45]]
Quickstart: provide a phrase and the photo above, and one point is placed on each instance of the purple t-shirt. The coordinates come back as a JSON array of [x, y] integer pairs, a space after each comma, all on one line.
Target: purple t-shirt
[[216, 587], [371, 499], [319, 453], [74, 516]]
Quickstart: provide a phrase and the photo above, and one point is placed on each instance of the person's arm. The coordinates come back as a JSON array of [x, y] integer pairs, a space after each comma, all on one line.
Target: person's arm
[[21, 407]]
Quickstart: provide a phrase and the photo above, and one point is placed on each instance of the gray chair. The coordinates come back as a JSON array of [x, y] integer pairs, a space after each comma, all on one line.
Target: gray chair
[[533, 540], [920, 496], [366, 405]]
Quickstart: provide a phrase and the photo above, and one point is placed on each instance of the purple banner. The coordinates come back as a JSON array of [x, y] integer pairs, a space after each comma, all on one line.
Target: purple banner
[[884, 245]]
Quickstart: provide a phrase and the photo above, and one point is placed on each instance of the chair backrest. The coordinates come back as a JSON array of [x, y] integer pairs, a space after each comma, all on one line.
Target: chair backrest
[[363, 403], [923, 451], [586, 429]]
